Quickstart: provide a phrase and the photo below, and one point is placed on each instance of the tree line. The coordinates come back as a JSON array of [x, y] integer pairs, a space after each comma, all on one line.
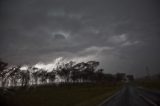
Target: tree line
[[71, 72]]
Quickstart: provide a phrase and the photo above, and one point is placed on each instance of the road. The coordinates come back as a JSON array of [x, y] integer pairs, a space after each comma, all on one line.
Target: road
[[130, 95]]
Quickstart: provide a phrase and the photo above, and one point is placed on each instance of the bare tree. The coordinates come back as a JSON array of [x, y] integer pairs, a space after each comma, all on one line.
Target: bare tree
[[25, 77], [99, 76], [3, 72], [35, 75], [51, 76], [14, 75], [42, 74], [64, 71]]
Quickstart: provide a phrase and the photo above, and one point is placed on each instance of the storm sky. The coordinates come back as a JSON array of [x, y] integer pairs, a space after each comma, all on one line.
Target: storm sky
[[124, 35]]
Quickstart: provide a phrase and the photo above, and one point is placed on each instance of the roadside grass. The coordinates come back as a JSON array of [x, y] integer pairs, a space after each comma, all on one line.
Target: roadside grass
[[149, 83], [96, 100], [73, 95]]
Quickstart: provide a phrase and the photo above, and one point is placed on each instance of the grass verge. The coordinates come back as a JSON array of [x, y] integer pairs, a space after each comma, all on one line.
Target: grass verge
[[80, 95], [149, 84]]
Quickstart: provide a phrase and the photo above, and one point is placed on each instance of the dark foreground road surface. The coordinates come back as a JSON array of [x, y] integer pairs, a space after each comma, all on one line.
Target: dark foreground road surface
[[132, 96]]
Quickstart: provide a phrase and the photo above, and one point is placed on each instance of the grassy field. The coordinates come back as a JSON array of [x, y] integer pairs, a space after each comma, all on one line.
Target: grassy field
[[73, 95], [149, 84]]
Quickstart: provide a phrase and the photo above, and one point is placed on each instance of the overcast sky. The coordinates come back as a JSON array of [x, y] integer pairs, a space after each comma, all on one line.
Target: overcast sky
[[124, 35]]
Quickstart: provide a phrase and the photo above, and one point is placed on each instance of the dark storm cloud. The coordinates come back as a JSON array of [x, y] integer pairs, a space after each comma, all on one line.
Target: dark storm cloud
[[121, 34]]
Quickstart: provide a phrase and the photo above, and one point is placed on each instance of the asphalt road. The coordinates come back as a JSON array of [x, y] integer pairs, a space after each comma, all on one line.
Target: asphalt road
[[130, 95]]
